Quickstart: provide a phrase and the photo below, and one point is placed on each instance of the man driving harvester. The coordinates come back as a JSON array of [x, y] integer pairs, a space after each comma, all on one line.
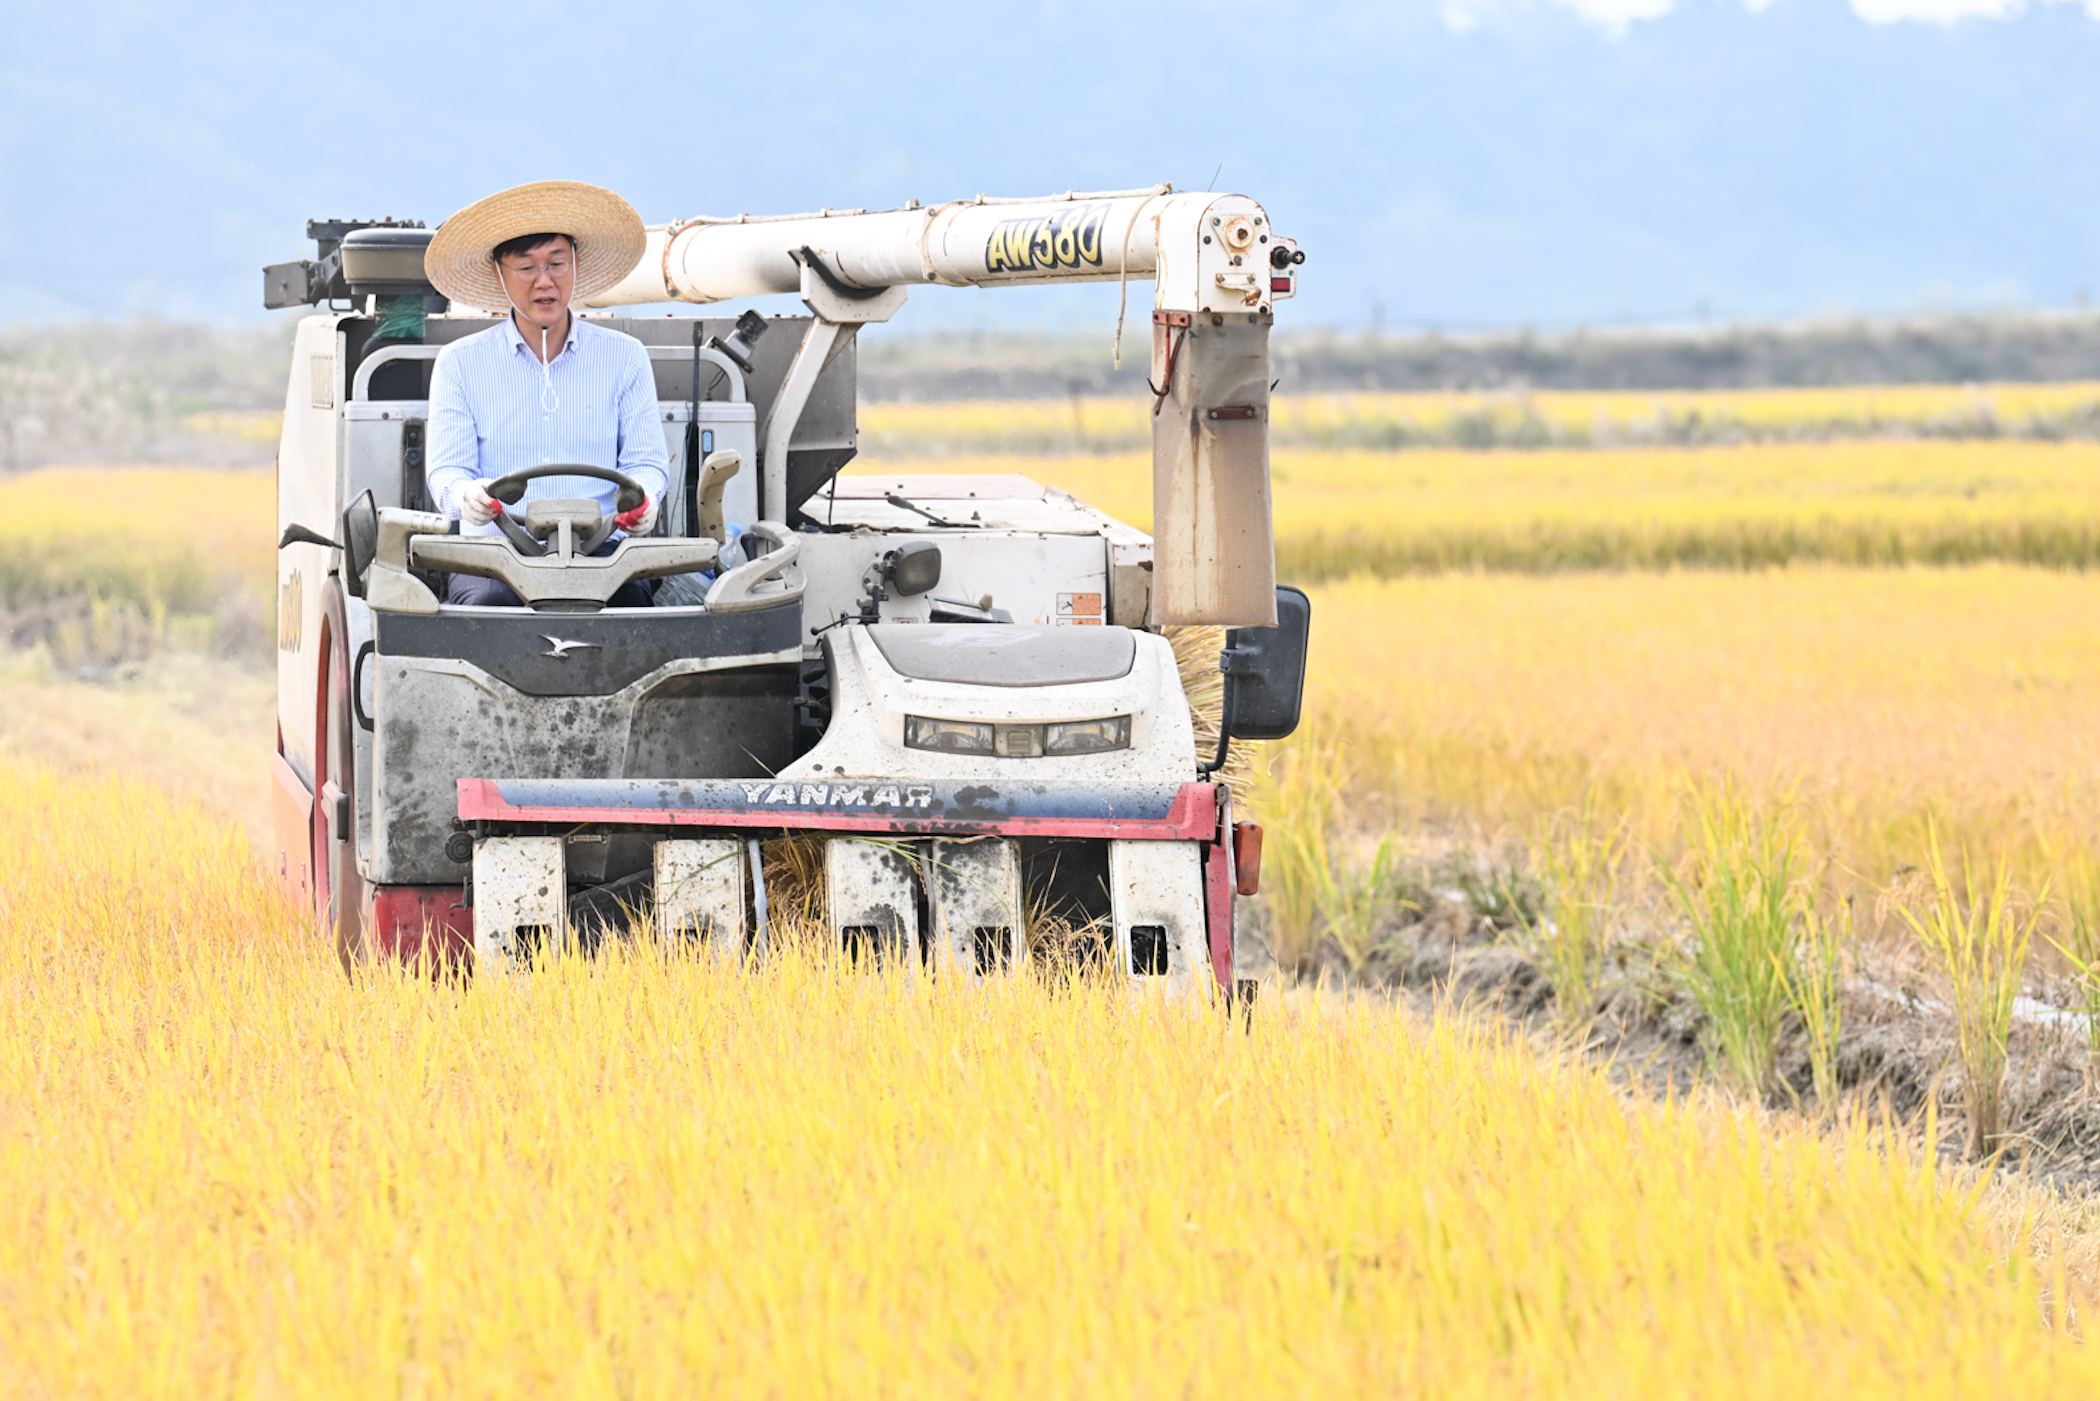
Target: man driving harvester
[[541, 386]]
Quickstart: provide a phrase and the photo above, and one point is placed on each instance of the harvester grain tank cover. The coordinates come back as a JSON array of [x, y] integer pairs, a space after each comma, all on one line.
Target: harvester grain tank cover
[[971, 654]]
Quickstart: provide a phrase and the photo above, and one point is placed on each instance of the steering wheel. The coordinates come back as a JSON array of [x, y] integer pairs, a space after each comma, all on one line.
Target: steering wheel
[[510, 489]]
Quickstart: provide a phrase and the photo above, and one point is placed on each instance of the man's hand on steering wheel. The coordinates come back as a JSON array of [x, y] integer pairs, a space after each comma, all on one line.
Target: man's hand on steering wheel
[[476, 506], [639, 521], [634, 511]]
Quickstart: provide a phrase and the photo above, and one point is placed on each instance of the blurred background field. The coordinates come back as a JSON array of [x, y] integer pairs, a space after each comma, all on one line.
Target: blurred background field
[[137, 609], [1346, 513], [148, 390], [1512, 418], [1083, 423], [1872, 703], [108, 564]]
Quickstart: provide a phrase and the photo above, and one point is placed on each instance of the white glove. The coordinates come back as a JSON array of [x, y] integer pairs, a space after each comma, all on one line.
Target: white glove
[[476, 506], [640, 521]]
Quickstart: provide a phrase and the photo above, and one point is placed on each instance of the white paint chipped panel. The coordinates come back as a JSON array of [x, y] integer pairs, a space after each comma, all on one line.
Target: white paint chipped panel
[[1157, 891], [700, 896], [521, 899]]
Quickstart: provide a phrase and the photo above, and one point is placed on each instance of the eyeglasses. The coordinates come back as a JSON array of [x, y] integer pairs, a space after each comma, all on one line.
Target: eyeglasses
[[556, 268]]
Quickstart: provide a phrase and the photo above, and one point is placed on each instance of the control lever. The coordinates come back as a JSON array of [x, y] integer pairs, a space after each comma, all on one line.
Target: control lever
[[714, 479], [301, 535], [901, 504]]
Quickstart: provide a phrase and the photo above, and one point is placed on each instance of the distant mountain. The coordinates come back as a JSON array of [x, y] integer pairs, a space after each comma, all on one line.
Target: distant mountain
[[1458, 167]]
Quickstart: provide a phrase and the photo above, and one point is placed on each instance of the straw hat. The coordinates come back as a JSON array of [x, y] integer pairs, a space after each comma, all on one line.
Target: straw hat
[[609, 238]]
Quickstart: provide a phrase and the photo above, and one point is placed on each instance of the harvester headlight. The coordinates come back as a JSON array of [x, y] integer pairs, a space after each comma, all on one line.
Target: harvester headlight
[[1088, 736], [947, 736], [1017, 741]]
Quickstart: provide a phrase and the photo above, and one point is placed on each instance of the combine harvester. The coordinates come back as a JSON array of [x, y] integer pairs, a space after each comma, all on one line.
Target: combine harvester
[[959, 684]]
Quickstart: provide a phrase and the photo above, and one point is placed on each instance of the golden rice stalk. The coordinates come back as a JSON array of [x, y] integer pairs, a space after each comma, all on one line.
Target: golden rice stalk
[[1577, 855], [1196, 651], [1815, 986], [233, 1171], [2080, 945], [1979, 933]]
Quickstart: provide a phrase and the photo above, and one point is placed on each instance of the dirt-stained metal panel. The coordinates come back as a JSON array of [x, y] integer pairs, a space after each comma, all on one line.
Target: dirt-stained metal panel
[[874, 900], [700, 895], [521, 899], [975, 895], [1214, 554], [441, 719]]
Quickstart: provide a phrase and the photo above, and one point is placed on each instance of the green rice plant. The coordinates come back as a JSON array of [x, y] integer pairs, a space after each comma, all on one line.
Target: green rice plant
[[1815, 981], [1352, 896], [2081, 948], [1737, 892], [1577, 857], [1296, 794], [1317, 890], [1500, 893], [1979, 933]]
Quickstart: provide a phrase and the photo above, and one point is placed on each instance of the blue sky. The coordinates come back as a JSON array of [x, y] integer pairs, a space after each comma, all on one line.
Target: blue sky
[[1466, 164]]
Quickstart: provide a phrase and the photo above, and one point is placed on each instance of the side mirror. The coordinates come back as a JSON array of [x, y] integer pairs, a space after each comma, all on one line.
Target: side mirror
[[1265, 671], [749, 327], [360, 543]]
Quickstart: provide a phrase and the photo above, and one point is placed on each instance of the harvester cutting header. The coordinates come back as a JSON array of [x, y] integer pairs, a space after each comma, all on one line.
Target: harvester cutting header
[[521, 703]]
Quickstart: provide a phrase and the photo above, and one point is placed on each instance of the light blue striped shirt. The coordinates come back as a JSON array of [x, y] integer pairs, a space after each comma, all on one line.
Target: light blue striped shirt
[[492, 412]]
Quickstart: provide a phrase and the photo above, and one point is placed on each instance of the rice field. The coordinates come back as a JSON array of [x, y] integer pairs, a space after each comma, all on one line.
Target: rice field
[[1872, 504], [1873, 703], [1513, 418], [104, 565], [171, 539], [1576, 673], [1491, 681], [232, 1171]]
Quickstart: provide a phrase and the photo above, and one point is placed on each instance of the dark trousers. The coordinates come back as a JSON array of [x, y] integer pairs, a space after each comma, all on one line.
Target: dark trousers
[[494, 593]]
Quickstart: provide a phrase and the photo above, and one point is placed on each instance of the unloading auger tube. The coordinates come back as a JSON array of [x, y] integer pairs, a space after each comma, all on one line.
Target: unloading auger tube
[[1217, 269]]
